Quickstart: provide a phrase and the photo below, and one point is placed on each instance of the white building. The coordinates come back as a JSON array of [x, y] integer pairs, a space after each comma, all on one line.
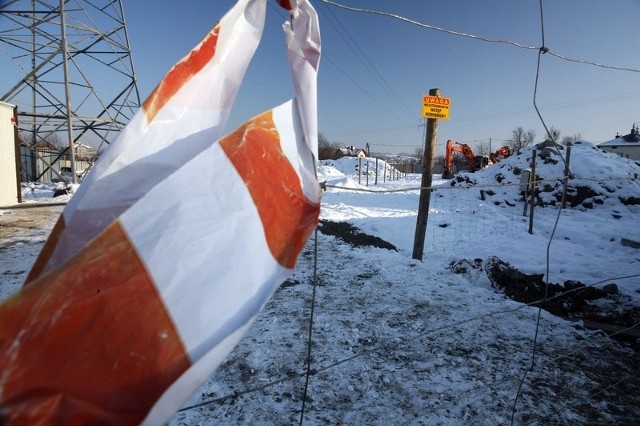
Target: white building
[[9, 171], [627, 146]]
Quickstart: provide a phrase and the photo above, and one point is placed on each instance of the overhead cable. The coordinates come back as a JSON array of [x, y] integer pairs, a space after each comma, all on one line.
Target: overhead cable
[[477, 37], [363, 58]]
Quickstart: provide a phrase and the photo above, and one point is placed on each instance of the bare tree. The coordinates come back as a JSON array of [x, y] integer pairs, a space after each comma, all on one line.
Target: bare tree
[[529, 137], [570, 140], [55, 140], [460, 162], [419, 153], [517, 139], [554, 134], [483, 148], [520, 139], [326, 148]]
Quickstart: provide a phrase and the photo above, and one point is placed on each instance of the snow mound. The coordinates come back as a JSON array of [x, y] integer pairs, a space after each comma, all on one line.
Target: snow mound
[[596, 177], [35, 192], [333, 174], [349, 166]]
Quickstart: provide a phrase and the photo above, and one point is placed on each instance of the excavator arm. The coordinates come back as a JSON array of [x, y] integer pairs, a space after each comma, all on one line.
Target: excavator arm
[[501, 153], [474, 162], [466, 151]]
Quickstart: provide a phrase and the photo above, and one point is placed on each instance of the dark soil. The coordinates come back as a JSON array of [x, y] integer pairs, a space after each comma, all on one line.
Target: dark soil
[[352, 235], [601, 308], [27, 220], [594, 308]]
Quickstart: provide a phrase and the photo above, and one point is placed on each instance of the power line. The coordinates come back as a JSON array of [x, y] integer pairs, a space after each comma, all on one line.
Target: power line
[[477, 37], [515, 112], [358, 85], [383, 83], [551, 107], [565, 182], [363, 58], [428, 26], [375, 131]]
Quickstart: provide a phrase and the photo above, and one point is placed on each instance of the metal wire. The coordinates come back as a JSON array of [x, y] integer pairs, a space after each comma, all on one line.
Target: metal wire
[[308, 372], [479, 38]]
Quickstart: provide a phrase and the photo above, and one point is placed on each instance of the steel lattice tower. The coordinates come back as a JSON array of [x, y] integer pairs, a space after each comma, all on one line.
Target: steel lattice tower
[[67, 65]]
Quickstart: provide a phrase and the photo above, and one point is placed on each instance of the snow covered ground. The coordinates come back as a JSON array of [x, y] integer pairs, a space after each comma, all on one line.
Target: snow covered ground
[[399, 341]]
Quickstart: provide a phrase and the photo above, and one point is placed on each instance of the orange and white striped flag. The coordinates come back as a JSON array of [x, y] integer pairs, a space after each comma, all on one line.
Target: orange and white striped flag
[[186, 113], [122, 324]]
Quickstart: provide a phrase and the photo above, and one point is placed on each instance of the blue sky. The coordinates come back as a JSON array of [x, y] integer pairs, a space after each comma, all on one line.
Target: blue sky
[[375, 69]]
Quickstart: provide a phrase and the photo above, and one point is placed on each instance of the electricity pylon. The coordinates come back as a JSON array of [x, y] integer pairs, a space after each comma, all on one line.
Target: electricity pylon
[[69, 69]]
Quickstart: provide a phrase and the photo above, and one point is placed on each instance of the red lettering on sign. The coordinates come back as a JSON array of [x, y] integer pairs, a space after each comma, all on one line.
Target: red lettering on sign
[[434, 100]]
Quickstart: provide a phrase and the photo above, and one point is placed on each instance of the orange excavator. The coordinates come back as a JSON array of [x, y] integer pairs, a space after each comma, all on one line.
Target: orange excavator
[[501, 153], [474, 162]]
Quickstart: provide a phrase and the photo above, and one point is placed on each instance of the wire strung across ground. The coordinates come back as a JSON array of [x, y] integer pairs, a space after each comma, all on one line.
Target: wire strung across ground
[[394, 343], [325, 185]]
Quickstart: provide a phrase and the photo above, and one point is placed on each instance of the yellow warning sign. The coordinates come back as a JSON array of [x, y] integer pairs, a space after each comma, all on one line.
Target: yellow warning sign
[[435, 107]]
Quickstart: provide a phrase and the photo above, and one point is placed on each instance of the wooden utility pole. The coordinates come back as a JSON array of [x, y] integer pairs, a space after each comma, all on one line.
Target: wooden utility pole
[[427, 176]]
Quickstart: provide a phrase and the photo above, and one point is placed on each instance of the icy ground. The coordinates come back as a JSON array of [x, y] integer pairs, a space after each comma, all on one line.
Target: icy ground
[[398, 341]]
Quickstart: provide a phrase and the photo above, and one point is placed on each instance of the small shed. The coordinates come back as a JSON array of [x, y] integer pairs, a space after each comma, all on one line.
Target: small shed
[[9, 157]]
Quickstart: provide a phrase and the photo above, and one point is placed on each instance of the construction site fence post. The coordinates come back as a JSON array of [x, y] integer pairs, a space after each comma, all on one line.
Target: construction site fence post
[[425, 187], [376, 180], [534, 155], [525, 184], [367, 180], [567, 171]]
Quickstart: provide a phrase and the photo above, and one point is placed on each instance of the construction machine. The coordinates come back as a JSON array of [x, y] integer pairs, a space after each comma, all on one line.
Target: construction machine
[[502, 152], [474, 162]]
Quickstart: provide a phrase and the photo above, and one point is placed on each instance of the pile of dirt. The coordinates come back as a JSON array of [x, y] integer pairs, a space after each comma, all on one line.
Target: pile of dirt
[[598, 308]]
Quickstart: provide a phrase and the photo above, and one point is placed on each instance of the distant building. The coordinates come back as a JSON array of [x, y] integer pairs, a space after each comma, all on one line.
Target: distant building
[[38, 162], [350, 151], [85, 156], [35, 162], [10, 192], [627, 146]]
